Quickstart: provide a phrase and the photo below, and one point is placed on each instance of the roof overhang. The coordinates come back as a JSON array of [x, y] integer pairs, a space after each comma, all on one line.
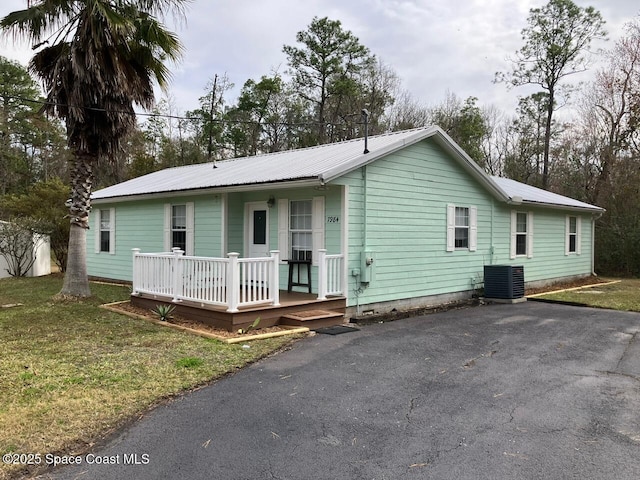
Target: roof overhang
[[321, 177], [296, 183], [593, 210]]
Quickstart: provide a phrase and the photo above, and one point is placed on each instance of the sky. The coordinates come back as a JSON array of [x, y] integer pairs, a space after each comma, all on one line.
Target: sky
[[434, 46]]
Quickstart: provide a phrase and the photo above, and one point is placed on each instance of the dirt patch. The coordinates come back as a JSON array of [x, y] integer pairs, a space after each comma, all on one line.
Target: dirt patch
[[397, 315], [412, 312], [128, 308]]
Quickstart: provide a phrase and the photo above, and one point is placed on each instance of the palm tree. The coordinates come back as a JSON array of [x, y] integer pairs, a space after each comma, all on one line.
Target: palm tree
[[96, 58]]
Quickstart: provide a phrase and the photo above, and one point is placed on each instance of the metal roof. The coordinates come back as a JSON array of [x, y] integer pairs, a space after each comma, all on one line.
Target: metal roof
[[534, 195], [317, 166]]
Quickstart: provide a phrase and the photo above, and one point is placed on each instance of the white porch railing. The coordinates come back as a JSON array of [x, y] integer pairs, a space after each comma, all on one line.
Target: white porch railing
[[230, 282], [330, 274]]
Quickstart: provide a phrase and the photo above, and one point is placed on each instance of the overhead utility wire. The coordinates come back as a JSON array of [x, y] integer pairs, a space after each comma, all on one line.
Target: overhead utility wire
[[174, 117]]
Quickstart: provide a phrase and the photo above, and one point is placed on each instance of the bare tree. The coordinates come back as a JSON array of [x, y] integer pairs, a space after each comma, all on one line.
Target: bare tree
[[19, 243]]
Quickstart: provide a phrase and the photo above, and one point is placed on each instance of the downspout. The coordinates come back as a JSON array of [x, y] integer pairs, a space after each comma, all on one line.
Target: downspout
[[364, 207], [593, 246], [594, 217], [358, 290], [491, 246]]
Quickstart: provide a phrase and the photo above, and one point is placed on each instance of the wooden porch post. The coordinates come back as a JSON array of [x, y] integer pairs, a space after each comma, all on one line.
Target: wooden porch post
[[233, 283], [135, 273], [322, 274], [274, 281]]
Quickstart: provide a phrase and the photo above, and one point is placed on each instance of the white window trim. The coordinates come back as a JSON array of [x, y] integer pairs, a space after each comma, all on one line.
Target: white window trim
[[451, 228], [578, 234], [283, 229], [190, 212], [317, 228], [514, 234], [112, 231]]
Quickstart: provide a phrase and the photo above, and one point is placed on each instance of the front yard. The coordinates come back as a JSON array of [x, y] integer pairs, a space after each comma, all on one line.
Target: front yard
[[624, 295], [70, 373]]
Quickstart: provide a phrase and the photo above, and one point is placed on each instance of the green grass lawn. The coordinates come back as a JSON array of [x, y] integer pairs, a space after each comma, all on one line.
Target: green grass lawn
[[624, 295], [71, 372]]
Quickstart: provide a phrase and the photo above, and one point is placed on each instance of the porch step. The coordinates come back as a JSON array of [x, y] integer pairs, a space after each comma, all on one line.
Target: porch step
[[313, 319]]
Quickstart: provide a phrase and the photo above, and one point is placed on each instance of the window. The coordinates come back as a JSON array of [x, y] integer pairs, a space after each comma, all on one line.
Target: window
[[462, 228], [573, 235], [179, 227], [301, 229], [521, 234], [105, 228]]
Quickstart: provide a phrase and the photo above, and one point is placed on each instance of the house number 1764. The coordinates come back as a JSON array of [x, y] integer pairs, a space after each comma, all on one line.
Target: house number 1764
[[333, 219]]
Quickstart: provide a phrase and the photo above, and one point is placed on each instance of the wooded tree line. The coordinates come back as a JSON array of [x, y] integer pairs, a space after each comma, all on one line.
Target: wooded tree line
[[592, 154]]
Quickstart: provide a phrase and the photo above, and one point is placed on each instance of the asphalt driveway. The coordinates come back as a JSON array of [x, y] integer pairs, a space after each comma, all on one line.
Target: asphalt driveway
[[521, 391]]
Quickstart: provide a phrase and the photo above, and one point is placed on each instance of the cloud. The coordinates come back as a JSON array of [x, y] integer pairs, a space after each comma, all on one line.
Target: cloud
[[434, 45]]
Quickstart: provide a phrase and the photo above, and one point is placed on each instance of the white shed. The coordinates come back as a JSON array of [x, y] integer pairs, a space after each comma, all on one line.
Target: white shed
[[41, 251]]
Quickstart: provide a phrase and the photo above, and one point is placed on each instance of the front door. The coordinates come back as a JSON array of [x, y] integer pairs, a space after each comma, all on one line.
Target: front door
[[257, 228]]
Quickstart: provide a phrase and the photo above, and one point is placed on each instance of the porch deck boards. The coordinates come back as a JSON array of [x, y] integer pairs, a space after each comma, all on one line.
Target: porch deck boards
[[290, 303]]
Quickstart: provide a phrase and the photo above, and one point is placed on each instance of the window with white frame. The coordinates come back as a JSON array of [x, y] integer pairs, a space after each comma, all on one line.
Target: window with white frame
[[573, 234], [179, 227], [462, 228], [521, 234], [105, 230], [301, 229]]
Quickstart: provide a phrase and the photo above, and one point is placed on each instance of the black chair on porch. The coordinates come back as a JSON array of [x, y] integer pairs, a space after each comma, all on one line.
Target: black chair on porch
[[297, 264]]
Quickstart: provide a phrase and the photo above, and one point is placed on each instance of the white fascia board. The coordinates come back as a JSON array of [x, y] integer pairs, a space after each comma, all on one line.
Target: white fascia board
[[209, 191], [574, 208]]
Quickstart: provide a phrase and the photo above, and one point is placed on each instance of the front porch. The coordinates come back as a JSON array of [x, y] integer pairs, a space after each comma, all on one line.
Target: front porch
[[230, 293]]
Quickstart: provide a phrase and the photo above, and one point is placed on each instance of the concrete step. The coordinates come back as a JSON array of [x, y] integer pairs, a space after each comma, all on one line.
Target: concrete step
[[313, 319]]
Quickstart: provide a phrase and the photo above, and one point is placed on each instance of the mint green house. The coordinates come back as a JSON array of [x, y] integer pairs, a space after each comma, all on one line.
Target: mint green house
[[411, 222]]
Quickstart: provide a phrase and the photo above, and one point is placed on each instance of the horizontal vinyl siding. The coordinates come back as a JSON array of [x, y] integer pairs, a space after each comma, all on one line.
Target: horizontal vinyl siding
[[549, 260], [141, 225], [138, 225], [236, 223], [407, 197], [207, 232]]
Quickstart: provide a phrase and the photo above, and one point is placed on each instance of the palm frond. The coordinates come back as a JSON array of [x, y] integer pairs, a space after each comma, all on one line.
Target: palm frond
[[105, 57], [33, 24]]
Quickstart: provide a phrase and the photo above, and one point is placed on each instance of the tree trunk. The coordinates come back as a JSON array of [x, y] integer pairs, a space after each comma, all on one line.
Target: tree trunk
[[547, 141], [76, 280]]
